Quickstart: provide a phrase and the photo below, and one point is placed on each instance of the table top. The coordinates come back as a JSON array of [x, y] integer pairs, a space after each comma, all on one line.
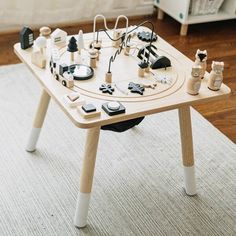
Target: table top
[[165, 96]]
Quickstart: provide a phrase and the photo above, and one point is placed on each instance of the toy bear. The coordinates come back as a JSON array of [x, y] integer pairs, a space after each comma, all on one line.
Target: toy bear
[[201, 58], [194, 83], [216, 76]]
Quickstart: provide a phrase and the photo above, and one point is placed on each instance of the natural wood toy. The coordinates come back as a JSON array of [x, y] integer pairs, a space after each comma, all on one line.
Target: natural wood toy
[[108, 77], [149, 85], [38, 58], [142, 68], [194, 83], [127, 50], [113, 108], [136, 88], [117, 35], [93, 53], [72, 47], [201, 58], [45, 31], [88, 111], [215, 78], [58, 36], [80, 41], [41, 43], [107, 88], [74, 99], [26, 38]]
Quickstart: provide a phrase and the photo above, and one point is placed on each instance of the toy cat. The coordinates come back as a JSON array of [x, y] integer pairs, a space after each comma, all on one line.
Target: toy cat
[[194, 83], [201, 58], [216, 76]]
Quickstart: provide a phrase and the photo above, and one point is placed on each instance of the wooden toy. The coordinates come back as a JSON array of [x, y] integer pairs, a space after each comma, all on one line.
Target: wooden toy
[[113, 108], [107, 88], [61, 73], [80, 41], [45, 31], [108, 77], [149, 53], [127, 50], [136, 88], [38, 59], [117, 37], [146, 36], [58, 36], [74, 99], [201, 58], [41, 43], [26, 38], [88, 111], [72, 47], [215, 78], [149, 85], [194, 83], [93, 57], [142, 68]]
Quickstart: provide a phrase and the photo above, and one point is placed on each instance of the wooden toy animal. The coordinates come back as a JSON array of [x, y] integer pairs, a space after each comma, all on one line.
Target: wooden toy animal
[[194, 83], [216, 76], [201, 58]]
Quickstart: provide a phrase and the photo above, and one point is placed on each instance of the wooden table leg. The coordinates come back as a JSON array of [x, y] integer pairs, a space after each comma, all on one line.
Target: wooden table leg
[[38, 121], [86, 178], [160, 14], [184, 30], [187, 150]]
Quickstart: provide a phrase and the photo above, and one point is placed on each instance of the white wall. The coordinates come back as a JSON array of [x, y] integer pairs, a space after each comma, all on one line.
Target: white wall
[[15, 13]]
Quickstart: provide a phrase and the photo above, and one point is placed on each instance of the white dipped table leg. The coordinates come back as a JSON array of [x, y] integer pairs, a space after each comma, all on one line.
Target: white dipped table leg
[[86, 178], [187, 150], [38, 121]]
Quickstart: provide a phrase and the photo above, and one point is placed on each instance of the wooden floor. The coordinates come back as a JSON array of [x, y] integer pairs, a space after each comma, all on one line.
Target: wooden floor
[[219, 38]]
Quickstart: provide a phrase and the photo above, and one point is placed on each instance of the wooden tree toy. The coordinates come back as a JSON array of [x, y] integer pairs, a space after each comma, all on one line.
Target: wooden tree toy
[[194, 83], [80, 41], [216, 76], [72, 47], [41, 43], [201, 58]]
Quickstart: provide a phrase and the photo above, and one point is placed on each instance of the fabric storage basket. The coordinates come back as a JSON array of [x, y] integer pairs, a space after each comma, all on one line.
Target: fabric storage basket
[[204, 7]]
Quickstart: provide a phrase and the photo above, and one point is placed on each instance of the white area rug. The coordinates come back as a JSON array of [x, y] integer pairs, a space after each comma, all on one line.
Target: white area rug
[[138, 179]]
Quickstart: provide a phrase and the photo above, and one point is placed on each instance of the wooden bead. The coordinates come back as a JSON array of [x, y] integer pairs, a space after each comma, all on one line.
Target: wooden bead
[[141, 72], [45, 31]]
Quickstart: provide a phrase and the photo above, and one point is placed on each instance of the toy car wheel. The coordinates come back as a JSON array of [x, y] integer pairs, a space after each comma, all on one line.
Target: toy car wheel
[[63, 83], [56, 77]]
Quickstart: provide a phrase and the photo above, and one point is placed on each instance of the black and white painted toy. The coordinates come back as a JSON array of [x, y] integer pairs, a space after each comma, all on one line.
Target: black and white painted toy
[[26, 38], [136, 88], [107, 88], [113, 108]]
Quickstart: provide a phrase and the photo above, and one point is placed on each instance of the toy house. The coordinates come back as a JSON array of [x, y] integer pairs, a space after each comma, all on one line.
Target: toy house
[[58, 36], [26, 38]]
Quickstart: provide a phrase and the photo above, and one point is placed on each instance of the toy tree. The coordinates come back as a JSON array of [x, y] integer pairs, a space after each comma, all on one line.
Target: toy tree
[[72, 47]]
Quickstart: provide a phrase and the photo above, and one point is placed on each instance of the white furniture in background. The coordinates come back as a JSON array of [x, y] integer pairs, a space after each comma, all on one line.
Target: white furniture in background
[[15, 14], [179, 10]]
